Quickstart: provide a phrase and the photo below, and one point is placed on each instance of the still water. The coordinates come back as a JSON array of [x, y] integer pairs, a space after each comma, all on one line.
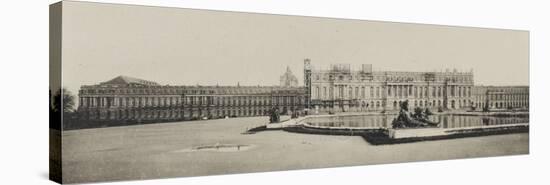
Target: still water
[[384, 121]]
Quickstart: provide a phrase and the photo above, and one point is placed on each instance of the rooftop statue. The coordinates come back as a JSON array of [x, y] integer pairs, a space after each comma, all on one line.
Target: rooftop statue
[[406, 119]]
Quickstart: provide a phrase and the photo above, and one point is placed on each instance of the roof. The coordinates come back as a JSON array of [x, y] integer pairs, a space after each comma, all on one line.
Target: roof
[[126, 80], [134, 85]]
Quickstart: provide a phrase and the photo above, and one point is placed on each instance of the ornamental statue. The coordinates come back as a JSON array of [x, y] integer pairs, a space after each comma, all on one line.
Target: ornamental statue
[[274, 116]]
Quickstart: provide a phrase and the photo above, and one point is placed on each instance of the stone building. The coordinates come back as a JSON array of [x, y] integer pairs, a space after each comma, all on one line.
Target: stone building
[[501, 97], [126, 99], [342, 89], [288, 79]]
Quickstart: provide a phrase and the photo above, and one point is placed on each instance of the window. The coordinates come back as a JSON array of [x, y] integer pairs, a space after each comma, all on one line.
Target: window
[[371, 92], [400, 91], [452, 91], [317, 92], [426, 91]]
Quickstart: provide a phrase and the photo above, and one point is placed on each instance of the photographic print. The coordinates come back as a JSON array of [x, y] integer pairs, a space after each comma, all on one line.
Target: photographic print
[[143, 92]]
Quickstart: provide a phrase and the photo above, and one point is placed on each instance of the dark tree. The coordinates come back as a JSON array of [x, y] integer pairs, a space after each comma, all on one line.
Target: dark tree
[[63, 100], [55, 116], [62, 105]]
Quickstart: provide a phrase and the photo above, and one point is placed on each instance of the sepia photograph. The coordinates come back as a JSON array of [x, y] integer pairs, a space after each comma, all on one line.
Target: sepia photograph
[[145, 92]]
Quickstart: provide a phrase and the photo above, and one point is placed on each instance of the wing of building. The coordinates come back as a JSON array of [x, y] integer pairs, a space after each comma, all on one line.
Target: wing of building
[[126, 100], [501, 97]]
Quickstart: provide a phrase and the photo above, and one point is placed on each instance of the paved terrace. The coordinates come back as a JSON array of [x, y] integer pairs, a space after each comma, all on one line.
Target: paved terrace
[[171, 150]]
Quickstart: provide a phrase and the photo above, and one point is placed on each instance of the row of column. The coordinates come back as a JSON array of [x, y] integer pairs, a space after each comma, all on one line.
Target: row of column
[[509, 97], [243, 100], [191, 100], [129, 101]]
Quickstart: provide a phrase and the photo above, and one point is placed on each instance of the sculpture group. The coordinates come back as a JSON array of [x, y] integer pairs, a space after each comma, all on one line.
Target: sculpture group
[[418, 119]]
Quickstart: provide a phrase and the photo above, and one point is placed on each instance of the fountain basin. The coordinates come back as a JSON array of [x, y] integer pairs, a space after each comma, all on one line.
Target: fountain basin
[[416, 132], [377, 130], [440, 132]]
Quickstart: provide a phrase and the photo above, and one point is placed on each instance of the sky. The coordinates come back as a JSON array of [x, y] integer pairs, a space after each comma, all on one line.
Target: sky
[[188, 47]]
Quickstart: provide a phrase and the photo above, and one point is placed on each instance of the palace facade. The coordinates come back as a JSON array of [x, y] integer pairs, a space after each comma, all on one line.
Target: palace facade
[[341, 89], [127, 99], [336, 89]]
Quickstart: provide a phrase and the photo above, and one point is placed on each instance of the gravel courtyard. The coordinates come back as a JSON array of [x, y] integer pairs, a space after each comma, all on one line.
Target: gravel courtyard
[[172, 150]]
